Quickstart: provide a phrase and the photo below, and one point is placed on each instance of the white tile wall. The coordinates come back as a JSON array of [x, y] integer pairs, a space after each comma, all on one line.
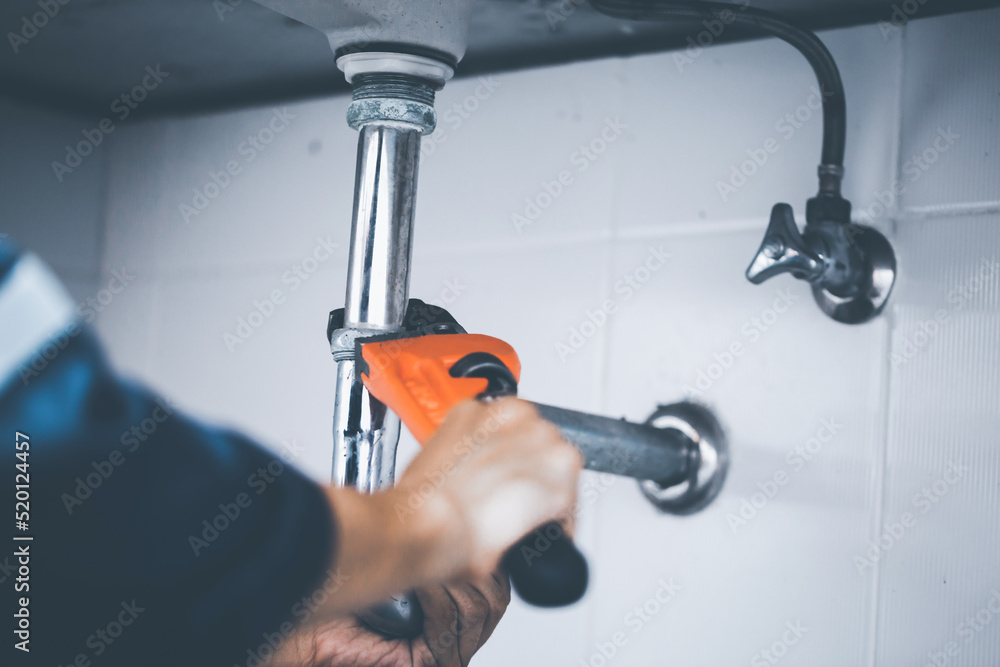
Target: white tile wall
[[905, 403], [943, 458], [791, 560], [693, 121], [520, 145], [259, 218], [58, 219], [952, 67]]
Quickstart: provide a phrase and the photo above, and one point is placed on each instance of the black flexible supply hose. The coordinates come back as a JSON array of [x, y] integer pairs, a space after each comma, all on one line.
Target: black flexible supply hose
[[831, 86]]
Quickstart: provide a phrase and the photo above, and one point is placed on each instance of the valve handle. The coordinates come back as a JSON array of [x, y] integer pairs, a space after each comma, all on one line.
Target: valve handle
[[784, 250]]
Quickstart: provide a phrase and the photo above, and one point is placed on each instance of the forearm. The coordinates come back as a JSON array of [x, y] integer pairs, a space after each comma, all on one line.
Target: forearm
[[134, 504]]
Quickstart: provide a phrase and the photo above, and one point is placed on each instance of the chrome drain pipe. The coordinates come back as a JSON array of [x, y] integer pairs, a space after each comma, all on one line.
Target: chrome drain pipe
[[390, 110], [392, 107], [365, 434]]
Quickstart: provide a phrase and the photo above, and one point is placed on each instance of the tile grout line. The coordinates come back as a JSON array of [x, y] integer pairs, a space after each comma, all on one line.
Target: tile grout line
[[668, 230], [883, 427], [104, 207], [616, 234], [696, 228], [154, 280], [966, 209], [885, 400], [603, 357], [604, 352]]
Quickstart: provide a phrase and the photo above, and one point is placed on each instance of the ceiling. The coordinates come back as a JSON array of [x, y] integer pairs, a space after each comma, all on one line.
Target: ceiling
[[227, 53]]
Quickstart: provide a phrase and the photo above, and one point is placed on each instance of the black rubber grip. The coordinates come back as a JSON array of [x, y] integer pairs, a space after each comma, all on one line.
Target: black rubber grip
[[546, 569]]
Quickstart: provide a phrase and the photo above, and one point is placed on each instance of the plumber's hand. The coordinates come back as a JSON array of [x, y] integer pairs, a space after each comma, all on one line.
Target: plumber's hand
[[458, 619], [491, 474]]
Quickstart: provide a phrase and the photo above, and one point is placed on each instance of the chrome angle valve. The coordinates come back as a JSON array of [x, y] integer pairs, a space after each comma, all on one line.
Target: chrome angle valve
[[852, 268]]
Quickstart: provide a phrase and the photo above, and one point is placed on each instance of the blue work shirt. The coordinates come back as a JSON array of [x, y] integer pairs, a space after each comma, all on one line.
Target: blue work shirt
[[155, 540]]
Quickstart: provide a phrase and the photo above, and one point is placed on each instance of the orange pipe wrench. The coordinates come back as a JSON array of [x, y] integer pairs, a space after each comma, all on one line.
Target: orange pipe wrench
[[421, 378]]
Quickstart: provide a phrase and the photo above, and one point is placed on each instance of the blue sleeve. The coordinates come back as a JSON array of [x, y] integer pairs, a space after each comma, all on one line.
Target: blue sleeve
[[156, 540]]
